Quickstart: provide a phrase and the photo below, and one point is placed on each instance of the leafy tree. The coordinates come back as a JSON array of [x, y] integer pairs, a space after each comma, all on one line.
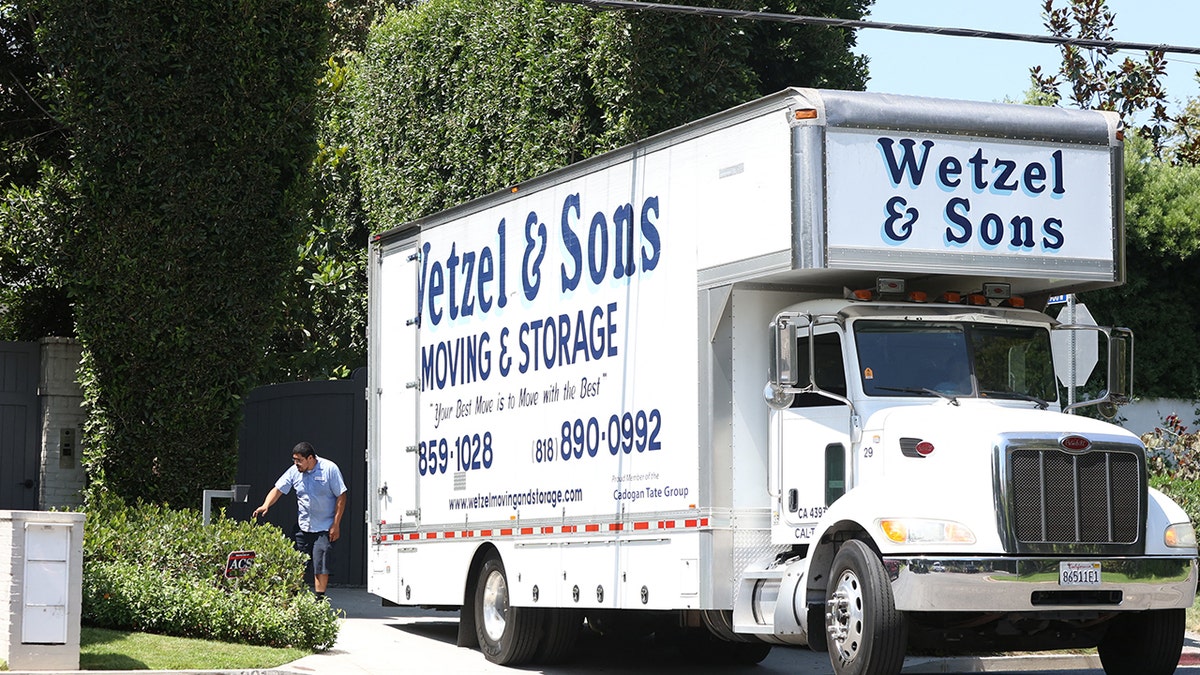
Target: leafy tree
[[189, 123], [33, 150], [1091, 79], [571, 83], [1162, 198], [457, 98]]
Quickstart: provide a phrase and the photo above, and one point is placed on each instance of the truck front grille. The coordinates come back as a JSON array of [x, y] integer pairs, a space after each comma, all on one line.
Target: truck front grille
[[1065, 503]]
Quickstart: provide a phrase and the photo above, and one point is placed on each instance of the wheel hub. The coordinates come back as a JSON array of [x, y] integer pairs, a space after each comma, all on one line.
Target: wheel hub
[[495, 606], [844, 616]]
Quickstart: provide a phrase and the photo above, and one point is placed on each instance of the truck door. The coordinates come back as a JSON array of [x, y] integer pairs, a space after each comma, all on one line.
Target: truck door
[[398, 356], [814, 436]]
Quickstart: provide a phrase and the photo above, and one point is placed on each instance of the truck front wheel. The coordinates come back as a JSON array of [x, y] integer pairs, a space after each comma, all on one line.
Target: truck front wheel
[[1143, 643], [507, 635], [865, 633]]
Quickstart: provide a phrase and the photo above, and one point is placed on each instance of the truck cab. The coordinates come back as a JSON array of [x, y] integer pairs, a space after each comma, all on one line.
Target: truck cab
[[920, 453]]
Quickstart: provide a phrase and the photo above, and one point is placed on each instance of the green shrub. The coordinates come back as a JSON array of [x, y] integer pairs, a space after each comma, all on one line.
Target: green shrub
[[153, 569]]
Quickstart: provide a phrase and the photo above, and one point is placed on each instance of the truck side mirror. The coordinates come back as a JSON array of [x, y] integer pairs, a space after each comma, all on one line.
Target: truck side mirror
[[784, 359], [1120, 365], [783, 364]]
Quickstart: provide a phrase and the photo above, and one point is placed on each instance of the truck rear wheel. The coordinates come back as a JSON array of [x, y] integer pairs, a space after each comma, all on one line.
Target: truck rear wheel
[[560, 628], [865, 633], [1143, 643], [507, 635]]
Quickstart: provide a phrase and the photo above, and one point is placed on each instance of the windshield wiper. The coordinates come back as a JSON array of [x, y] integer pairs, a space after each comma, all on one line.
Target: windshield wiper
[[1042, 405], [922, 390]]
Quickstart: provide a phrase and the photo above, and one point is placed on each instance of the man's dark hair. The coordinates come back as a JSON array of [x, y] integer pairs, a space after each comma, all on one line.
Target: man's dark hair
[[304, 449]]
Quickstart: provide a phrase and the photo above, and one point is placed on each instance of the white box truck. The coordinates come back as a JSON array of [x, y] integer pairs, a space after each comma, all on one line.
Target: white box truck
[[775, 377]]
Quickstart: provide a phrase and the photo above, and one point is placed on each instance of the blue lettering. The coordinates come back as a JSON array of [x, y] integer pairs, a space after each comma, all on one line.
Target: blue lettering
[[949, 171], [650, 234], [505, 359], [531, 274], [991, 230], [1004, 182], [486, 273], [596, 267], [906, 228], [959, 219], [1056, 164], [1035, 176], [623, 226], [907, 163], [571, 243], [467, 306], [436, 287], [1022, 236], [459, 361], [1052, 228], [451, 267], [977, 163]]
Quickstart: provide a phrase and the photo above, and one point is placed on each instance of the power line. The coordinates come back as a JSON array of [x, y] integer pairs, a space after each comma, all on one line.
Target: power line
[[898, 27]]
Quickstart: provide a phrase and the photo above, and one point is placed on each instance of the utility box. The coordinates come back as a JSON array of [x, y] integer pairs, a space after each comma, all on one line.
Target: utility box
[[41, 567]]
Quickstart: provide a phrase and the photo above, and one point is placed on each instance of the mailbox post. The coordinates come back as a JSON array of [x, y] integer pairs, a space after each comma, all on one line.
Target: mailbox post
[[236, 493]]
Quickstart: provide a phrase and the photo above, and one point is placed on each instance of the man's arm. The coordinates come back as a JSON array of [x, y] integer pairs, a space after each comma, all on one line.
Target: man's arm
[[336, 530], [272, 497]]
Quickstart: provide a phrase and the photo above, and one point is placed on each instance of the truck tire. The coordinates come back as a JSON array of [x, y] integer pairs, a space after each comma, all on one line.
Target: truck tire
[[508, 635], [1143, 643], [560, 631], [865, 633]]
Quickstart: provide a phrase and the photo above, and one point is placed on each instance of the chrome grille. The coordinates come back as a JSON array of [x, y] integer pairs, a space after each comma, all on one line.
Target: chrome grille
[[1059, 501]]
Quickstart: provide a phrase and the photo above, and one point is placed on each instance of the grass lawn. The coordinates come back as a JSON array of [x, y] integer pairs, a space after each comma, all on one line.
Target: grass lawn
[[103, 649]]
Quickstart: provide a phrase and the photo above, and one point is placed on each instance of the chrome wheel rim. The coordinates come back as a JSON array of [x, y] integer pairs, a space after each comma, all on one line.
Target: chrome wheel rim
[[495, 605], [844, 616]]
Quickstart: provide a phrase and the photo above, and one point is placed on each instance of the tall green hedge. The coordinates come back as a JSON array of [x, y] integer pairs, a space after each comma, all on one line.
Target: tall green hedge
[[456, 98], [189, 122]]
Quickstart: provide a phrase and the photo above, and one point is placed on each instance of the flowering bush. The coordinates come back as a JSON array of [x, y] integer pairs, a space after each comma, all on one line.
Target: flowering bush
[[1171, 451], [1173, 460]]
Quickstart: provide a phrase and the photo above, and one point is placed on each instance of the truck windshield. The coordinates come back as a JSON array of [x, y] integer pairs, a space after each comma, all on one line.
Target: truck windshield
[[905, 358]]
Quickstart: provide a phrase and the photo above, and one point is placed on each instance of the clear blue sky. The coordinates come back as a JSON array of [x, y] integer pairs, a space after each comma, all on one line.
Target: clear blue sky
[[992, 70]]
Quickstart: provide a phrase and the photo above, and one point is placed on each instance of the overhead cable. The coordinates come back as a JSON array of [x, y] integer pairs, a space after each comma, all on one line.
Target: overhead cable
[[879, 25]]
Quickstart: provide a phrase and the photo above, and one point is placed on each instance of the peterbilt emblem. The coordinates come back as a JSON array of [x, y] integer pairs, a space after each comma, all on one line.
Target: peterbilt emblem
[[1075, 444]]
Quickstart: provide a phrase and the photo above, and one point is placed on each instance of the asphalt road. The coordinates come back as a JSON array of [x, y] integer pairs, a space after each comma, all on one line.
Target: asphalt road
[[385, 640]]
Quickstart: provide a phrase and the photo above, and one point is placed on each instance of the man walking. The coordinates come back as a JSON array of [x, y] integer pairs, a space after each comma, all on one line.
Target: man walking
[[320, 500]]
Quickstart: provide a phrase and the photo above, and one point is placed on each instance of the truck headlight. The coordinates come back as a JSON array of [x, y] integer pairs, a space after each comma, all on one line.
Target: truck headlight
[[925, 531], [1180, 535]]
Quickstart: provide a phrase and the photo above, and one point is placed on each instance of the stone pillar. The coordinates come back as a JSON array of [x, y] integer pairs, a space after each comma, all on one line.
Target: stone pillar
[[62, 475]]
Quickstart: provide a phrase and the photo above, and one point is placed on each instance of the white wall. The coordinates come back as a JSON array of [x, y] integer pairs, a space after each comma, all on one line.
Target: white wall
[[1143, 415]]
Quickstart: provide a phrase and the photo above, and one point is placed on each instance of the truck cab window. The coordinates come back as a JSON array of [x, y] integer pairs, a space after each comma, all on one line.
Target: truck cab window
[[1013, 361], [904, 358], [830, 370], [955, 359]]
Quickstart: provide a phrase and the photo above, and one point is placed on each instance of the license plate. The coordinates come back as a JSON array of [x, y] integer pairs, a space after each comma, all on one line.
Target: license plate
[[1078, 574]]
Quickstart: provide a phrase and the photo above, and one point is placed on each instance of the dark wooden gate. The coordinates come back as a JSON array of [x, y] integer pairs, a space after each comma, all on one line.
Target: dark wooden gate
[[332, 415], [20, 430]]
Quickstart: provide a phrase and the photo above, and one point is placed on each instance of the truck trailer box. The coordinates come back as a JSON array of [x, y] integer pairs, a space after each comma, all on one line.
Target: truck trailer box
[[685, 379]]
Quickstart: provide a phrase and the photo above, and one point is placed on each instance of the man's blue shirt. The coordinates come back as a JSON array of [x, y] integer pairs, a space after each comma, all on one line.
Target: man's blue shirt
[[316, 493]]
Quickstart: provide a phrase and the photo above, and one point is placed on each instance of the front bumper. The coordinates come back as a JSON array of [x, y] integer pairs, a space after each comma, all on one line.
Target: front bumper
[[933, 584]]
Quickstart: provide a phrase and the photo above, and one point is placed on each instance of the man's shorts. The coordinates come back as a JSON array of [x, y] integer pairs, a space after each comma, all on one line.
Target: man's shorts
[[317, 546]]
